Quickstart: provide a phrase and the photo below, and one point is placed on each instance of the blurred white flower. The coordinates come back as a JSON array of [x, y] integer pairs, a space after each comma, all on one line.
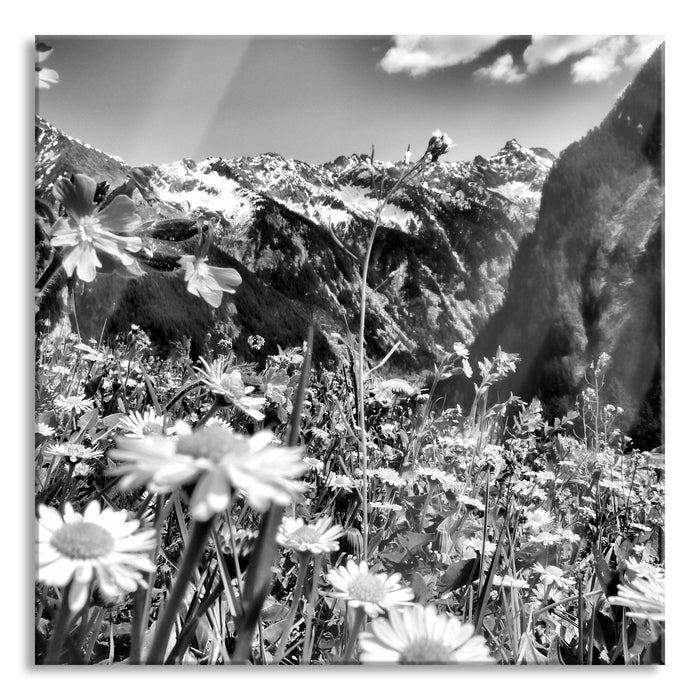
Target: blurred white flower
[[217, 461], [87, 233], [645, 598], [43, 77]]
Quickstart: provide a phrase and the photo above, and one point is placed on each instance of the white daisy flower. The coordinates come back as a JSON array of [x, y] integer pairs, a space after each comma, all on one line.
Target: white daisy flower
[[435, 474], [390, 477], [340, 482], [546, 538], [99, 545], [552, 575], [471, 502], [373, 593], [229, 387], [645, 598], [67, 404], [421, 635], [44, 429], [538, 520], [140, 425], [317, 538], [218, 461], [74, 452], [386, 507], [509, 581]]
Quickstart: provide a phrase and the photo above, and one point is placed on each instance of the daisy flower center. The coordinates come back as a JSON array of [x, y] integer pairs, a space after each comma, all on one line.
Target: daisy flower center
[[152, 427], [425, 650], [232, 384], [82, 540], [305, 535], [368, 588], [211, 442]]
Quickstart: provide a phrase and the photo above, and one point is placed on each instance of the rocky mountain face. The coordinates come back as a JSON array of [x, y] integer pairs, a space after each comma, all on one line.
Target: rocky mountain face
[[589, 279], [296, 233]]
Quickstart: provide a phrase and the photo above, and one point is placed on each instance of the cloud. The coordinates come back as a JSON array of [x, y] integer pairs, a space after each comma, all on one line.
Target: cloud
[[596, 57], [419, 55], [612, 54], [643, 47], [502, 70], [552, 50]]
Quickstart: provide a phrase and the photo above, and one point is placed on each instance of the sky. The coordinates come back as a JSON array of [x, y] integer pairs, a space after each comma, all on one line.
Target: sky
[[160, 99]]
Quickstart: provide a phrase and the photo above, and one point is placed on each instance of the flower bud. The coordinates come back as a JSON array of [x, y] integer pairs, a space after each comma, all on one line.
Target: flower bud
[[438, 145]]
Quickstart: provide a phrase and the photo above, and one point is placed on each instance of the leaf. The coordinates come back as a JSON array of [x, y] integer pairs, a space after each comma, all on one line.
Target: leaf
[[607, 578], [273, 632], [413, 540], [113, 420], [554, 653], [420, 588], [459, 574], [394, 557], [89, 420], [527, 653]]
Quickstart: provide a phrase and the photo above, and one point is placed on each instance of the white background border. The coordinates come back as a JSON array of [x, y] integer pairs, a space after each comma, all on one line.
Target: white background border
[[125, 17]]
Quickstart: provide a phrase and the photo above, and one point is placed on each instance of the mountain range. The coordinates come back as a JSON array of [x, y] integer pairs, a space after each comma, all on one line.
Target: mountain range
[[557, 260], [296, 233]]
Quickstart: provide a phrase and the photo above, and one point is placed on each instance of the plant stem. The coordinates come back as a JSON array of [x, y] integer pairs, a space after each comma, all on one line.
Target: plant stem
[[361, 381], [60, 628], [354, 633], [310, 605], [193, 553], [301, 576]]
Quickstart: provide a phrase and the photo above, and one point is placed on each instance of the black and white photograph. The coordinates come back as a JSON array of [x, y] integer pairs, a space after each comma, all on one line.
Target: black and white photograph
[[349, 349]]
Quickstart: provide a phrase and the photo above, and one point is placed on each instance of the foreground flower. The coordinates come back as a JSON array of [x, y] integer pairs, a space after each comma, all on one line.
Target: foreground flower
[[87, 233], [229, 388], [419, 635], [218, 461], [373, 593], [208, 282], [317, 539], [645, 598], [100, 545]]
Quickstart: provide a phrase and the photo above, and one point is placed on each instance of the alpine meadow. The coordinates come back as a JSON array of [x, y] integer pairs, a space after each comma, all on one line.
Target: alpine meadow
[[317, 407]]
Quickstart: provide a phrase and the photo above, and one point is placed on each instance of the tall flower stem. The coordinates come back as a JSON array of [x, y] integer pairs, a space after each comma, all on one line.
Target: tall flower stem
[[259, 570], [193, 553], [361, 381], [361, 352], [211, 412], [301, 576], [354, 634], [60, 628], [310, 605]]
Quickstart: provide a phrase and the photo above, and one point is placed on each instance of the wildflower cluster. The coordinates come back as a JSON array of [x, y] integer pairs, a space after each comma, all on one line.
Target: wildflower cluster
[[278, 513]]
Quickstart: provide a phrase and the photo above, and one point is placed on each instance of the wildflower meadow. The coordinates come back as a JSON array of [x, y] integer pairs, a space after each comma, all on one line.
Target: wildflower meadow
[[213, 511]]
